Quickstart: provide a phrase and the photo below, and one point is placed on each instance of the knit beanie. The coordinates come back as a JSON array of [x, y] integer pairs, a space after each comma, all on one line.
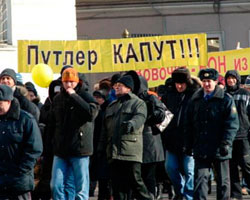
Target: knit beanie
[[6, 93], [127, 80], [65, 67], [31, 87], [136, 81], [101, 93], [114, 78], [9, 72], [70, 74], [181, 75]]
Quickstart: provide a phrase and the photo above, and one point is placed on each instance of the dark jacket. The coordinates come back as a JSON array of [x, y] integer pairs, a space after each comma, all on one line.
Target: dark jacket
[[120, 144], [45, 116], [45, 109], [241, 98], [73, 120], [211, 123], [177, 102], [21, 145], [98, 167], [42, 190], [27, 105], [152, 144]]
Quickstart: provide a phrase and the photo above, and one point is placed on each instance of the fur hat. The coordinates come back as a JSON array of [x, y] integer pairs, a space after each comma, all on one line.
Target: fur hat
[[181, 75], [208, 73], [9, 72], [127, 80], [70, 74], [6, 93]]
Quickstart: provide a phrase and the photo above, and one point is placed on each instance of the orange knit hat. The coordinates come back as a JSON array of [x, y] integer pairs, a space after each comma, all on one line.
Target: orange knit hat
[[70, 74]]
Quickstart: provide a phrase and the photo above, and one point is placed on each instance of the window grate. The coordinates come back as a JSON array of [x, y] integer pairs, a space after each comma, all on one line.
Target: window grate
[[3, 21], [133, 35]]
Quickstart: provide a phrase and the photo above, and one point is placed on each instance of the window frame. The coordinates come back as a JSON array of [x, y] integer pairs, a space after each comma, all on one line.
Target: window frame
[[220, 36], [5, 32]]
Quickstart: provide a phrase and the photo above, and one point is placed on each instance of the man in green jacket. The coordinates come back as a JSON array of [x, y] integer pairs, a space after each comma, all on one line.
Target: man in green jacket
[[122, 135]]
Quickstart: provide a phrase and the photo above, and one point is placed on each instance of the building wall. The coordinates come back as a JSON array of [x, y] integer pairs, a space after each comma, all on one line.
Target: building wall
[[234, 27], [37, 20], [113, 28], [231, 20]]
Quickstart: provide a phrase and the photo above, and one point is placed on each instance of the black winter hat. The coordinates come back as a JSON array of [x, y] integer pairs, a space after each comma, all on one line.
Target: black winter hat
[[9, 72], [6, 93], [114, 78], [101, 93], [127, 80], [65, 67], [31, 87], [181, 75], [136, 80], [208, 73]]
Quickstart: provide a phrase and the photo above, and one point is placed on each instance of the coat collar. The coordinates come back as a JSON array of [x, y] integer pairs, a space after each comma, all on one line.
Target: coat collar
[[14, 111], [218, 93]]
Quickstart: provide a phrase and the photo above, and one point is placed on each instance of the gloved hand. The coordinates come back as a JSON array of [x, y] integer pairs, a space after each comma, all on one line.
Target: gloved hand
[[224, 149], [128, 126]]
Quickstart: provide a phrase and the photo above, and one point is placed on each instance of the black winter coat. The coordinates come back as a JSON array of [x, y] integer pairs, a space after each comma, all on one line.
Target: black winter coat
[[27, 105], [241, 98], [152, 143], [45, 116], [211, 123], [98, 167], [73, 120], [177, 102], [21, 145]]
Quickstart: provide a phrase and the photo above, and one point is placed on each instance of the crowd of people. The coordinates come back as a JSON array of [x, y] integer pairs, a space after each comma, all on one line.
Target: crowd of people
[[76, 140]]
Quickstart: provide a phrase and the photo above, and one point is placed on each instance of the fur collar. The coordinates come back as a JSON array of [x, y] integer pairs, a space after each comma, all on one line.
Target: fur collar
[[14, 111]]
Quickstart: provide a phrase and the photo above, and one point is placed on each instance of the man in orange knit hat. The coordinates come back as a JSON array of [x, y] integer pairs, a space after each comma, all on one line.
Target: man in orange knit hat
[[73, 114]]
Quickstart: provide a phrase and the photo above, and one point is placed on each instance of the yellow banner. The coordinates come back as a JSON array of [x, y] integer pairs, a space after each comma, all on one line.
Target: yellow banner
[[92, 56], [222, 61]]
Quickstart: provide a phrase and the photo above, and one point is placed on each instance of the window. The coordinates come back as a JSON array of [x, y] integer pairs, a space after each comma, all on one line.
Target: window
[[4, 26], [214, 42]]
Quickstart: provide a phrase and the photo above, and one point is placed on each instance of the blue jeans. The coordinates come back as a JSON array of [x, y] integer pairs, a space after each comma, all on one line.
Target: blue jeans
[[176, 165], [70, 178]]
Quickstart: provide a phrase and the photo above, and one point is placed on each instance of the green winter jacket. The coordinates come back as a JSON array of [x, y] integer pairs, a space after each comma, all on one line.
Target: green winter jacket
[[119, 143]]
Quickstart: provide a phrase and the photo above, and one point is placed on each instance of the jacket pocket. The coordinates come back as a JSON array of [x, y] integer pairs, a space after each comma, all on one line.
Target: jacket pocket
[[127, 114], [14, 135], [130, 144]]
